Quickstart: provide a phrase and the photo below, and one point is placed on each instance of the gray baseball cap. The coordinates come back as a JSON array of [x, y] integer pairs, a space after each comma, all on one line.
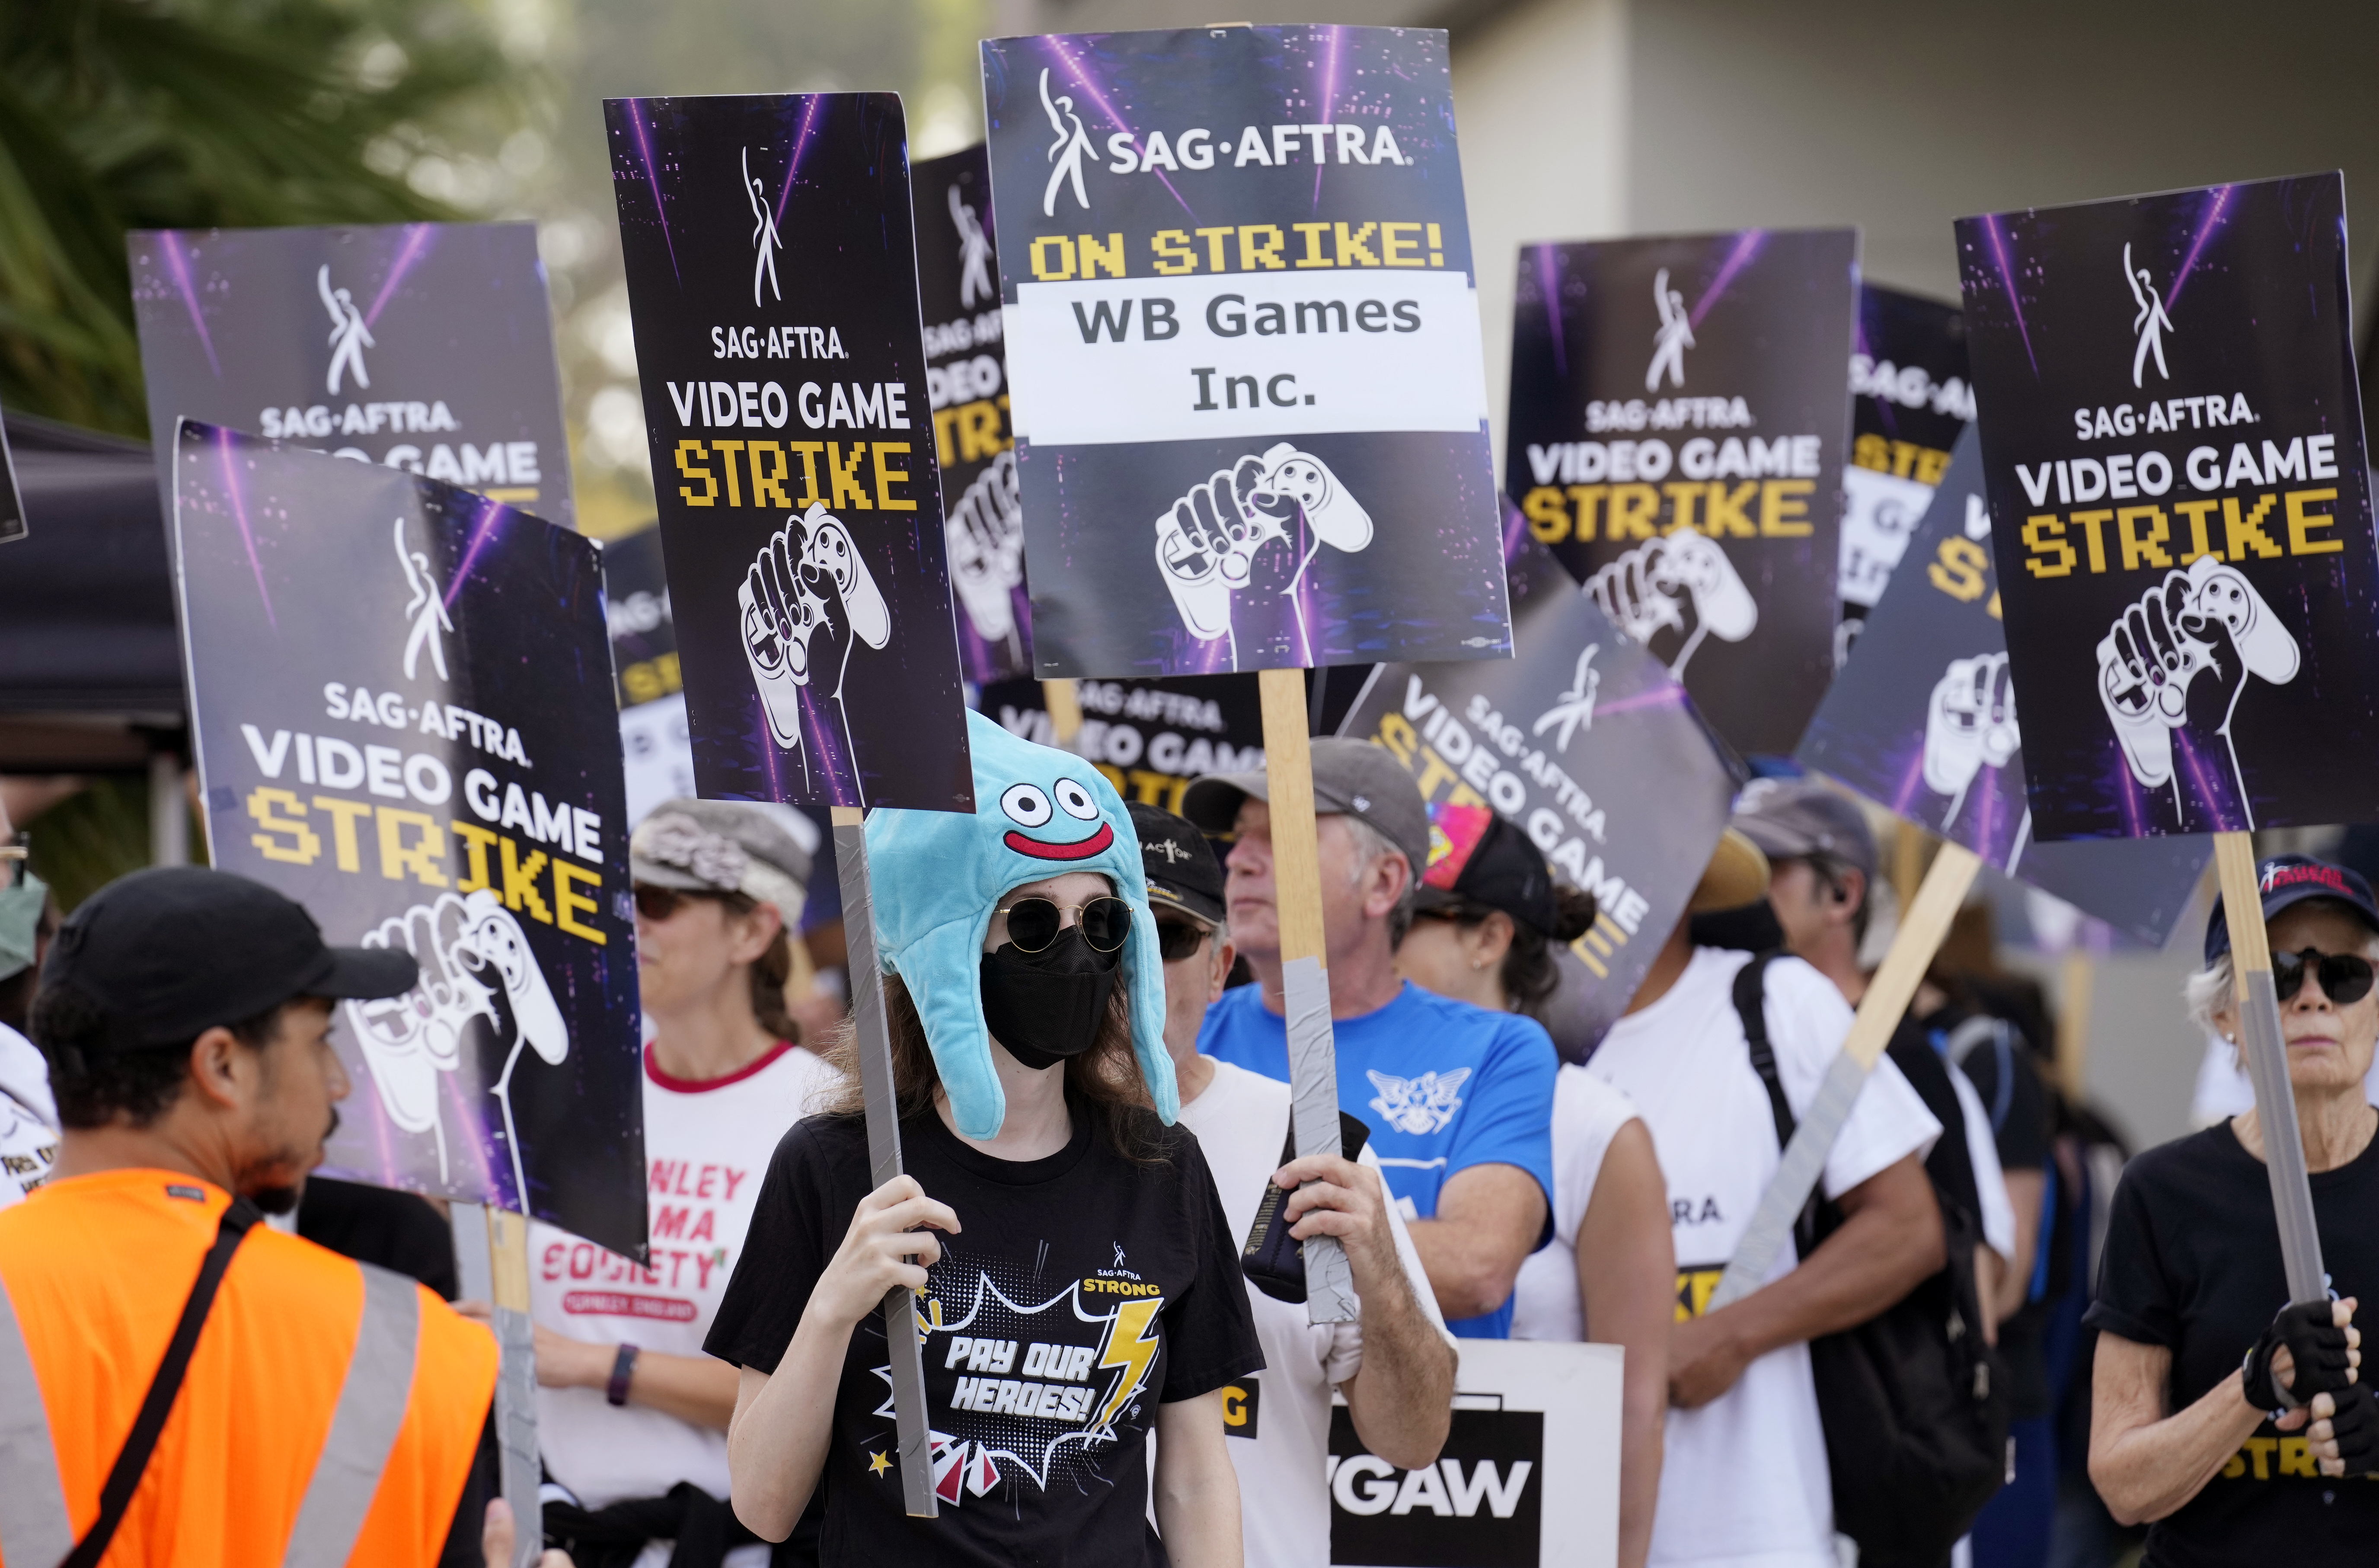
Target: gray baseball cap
[[1350, 778], [1789, 821], [722, 847]]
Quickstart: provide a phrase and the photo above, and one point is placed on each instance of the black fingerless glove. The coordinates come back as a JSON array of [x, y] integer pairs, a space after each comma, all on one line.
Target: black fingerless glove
[[2315, 1344], [2355, 1428]]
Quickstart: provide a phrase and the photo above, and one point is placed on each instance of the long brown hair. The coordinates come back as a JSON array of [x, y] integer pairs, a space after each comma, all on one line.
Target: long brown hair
[[769, 971], [1104, 1081]]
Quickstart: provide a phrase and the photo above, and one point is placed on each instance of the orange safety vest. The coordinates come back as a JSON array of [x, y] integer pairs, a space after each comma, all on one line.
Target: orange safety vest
[[329, 1415]]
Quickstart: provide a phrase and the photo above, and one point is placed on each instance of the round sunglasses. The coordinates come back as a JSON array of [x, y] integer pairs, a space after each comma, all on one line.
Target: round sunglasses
[[1033, 924], [2344, 977]]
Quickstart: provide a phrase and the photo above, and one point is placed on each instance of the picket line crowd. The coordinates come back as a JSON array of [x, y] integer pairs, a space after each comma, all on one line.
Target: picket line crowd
[[1102, 1193]]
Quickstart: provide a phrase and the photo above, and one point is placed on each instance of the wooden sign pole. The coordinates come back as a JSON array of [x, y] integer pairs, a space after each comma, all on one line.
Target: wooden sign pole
[[1065, 709], [880, 1093], [2267, 1053], [1921, 932], [1305, 980], [519, 1467]]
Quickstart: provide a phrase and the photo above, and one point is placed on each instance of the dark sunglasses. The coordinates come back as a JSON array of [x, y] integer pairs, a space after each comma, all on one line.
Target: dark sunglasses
[[2345, 977], [659, 903], [1178, 939], [1033, 924]]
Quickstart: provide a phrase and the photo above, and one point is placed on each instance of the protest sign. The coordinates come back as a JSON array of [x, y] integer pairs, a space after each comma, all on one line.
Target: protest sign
[[1678, 418], [1149, 737], [1529, 1476], [2181, 514], [2174, 456], [653, 736], [12, 498], [1909, 401], [773, 283], [966, 384], [451, 787], [1922, 720], [1242, 335], [1587, 744], [426, 347]]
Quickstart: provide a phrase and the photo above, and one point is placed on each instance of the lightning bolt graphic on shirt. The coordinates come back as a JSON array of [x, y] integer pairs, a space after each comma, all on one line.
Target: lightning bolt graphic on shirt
[[1130, 1346]]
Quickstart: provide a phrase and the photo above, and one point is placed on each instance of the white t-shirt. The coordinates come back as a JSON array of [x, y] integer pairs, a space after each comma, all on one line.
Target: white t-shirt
[[1241, 1120], [29, 1119], [1743, 1482], [1588, 1113], [706, 1148]]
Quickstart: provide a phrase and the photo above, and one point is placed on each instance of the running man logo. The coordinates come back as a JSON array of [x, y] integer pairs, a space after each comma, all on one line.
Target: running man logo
[[1695, 1287]]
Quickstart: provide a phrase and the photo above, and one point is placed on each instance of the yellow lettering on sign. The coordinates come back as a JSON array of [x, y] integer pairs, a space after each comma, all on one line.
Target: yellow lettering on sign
[[265, 807]]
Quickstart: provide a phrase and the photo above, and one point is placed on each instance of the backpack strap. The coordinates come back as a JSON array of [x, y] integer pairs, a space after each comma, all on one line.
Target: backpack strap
[[1751, 1005]]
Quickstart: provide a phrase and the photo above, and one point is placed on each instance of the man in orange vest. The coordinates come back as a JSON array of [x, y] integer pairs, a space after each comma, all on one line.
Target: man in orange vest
[[175, 1379]]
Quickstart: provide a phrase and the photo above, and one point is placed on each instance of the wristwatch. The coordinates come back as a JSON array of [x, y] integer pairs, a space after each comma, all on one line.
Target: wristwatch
[[623, 1367]]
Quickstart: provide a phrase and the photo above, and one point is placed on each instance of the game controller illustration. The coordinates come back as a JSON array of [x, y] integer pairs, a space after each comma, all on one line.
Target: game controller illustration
[[1207, 541], [480, 986], [986, 532], [1969, 725], [806, 598], [1681, 583], [2179, 658]]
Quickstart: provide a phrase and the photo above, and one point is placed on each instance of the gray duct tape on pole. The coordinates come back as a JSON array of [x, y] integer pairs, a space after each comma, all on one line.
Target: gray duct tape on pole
[[519, 1469], [2284, 1161], [1796, 1177], [1313, 1077], [875, 1040]]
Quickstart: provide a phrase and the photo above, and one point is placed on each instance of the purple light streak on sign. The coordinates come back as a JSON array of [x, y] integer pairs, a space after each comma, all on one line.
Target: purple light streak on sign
[[1746, 246], [419, 238], [2207, 223], [2007, 281], [237, 494], [178, 262], [653, 178]]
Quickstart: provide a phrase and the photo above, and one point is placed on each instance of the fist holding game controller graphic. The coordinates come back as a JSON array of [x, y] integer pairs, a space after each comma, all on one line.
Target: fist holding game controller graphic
[[806, 597], [1969, 725], [2178, 660], [986, 531], [1207, 543], [1681, 583]]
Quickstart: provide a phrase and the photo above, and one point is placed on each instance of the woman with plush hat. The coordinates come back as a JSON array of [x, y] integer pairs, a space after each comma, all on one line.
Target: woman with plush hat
[[1076, 1286], [632, 1415]]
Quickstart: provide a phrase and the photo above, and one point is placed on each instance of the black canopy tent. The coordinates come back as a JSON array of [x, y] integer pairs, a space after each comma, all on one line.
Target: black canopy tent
[[91, 664]]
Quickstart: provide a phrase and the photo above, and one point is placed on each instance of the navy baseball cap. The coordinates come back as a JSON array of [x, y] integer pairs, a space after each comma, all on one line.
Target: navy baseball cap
[[2291, 880], [1478, 858], [1182, 871]]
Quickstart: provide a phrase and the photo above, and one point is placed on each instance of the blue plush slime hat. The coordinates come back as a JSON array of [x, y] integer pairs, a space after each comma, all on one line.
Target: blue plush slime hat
[[936, 875]]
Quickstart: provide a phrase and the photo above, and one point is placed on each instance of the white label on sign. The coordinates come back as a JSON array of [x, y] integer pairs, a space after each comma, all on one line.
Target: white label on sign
[[1245, 354]]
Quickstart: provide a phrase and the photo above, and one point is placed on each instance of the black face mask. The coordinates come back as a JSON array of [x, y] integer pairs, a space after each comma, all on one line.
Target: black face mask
[[1048, 1005]]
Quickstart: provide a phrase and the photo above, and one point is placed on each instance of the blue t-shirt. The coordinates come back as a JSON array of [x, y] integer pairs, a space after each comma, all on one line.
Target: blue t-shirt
[[1443, 1086]]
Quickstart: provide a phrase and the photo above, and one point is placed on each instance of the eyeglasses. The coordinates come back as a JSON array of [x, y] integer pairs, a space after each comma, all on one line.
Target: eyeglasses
[[659, 903], [2345, 977], [1033, 924], [1178, 939]]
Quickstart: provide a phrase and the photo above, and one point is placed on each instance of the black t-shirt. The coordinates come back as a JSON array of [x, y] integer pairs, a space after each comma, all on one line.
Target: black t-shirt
[[2020, 1134], [2192, 1263], [372, 1225], [1084, 1290], [1950, 1163]]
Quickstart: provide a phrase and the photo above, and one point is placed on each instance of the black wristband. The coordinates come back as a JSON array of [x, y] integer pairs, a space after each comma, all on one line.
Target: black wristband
[[623, 1367]]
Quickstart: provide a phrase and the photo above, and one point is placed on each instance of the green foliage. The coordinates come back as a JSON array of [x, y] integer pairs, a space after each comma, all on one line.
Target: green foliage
[[119, 115]]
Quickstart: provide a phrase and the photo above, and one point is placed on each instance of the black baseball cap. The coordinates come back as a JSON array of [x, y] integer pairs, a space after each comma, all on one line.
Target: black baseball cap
[[1476, 857], [1350, 778], [169, 953], [1182, 871], [2289, 880]]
